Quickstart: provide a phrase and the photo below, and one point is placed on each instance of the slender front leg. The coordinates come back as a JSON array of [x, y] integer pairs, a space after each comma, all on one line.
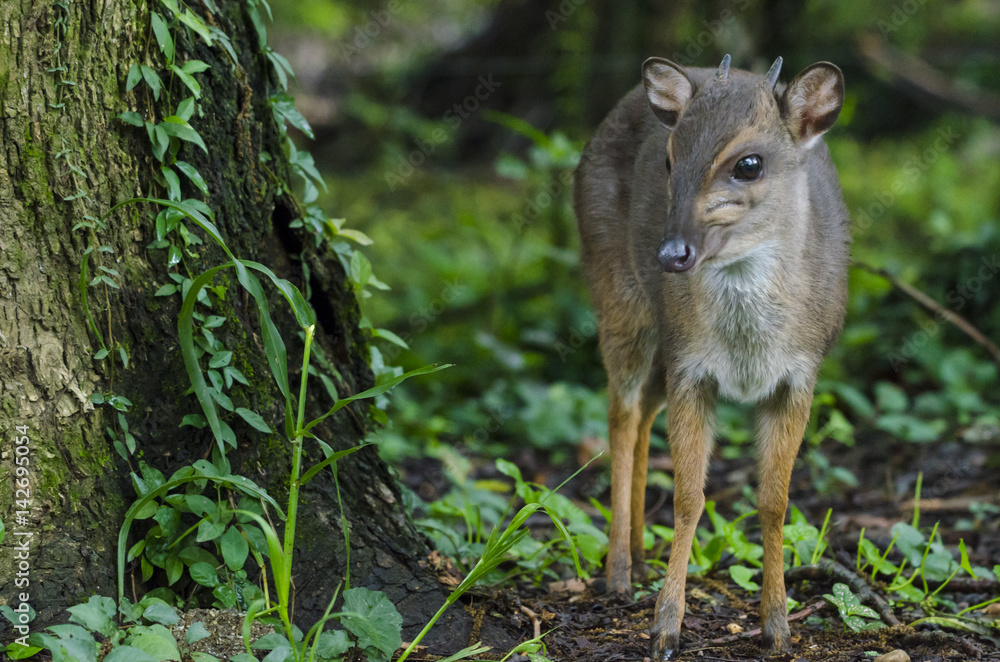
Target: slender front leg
[[782, 421], [689, 430], [623, 421]]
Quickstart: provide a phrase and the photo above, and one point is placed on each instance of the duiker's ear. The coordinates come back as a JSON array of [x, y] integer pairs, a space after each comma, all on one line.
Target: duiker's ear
[[668, 89], [813, 100]]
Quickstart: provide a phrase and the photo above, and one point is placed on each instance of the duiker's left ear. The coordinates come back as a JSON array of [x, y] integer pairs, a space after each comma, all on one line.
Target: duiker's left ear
[[812, 102]]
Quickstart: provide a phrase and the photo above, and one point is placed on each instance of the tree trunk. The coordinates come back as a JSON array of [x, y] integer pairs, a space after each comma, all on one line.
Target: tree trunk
[[66, 158]]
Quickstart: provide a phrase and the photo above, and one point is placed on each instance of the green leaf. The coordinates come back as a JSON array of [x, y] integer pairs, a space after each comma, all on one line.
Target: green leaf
[[283, 108], [97, 615], [152, 79], [195, 67], [173, 182], [163, 38], [743, 576], [234, 548], [221, 359], [204, 574], [101, 353], [254, 420], [195, 23], [179, 128], [185, 109], [161, 613], [188, 80], [134, 76], [332, 644], [330, 459], [386, 334], [191, 173], [129, 117], [374, 621], [157, 641], [377, 390], [196, 632], [129, 654]]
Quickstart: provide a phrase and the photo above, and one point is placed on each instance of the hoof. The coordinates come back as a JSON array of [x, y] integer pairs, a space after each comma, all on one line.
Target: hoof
[[640, 573], [664, 647], [776, 639]]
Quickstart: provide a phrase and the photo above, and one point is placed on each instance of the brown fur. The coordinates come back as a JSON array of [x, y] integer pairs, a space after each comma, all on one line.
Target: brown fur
[[751, 320]]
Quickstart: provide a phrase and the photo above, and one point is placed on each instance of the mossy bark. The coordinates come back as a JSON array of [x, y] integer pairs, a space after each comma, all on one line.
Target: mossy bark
[[64, 156]]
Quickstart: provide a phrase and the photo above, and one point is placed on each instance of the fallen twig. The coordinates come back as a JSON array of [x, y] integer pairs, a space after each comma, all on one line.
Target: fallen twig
[[826, 569], [930, 304], [536, 625]]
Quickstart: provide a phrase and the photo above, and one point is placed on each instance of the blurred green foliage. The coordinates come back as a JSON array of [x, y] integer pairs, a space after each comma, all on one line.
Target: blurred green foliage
[[482, 255]]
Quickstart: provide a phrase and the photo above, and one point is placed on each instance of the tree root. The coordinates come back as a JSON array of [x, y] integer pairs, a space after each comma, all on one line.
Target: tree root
[[827, 570]]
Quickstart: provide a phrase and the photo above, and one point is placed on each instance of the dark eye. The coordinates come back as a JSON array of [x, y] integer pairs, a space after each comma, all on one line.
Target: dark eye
[[748, 168]]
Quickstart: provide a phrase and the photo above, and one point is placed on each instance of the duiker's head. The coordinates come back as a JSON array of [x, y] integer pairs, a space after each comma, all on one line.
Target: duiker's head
[[735, 154]]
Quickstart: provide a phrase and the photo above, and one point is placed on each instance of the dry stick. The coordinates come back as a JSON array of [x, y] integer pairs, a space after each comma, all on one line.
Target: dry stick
[[536, 625], [826, 569], [936, 308], [912, 70]]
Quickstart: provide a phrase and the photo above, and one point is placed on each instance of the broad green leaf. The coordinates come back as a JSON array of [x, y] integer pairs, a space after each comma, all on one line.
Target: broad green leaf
[[196, 632], [374, 621], [189, 81], [161, 613], [157, 641], [204, 574], [129, 654], [152, 79], [97, 614], [234, 548]]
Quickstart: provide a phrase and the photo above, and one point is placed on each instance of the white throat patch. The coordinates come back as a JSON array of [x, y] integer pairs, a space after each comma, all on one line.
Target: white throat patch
[[747, 348]]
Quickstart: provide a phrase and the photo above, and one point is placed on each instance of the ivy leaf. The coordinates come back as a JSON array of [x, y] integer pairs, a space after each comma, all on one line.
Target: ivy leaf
[[185, 109], [173, 182], [179, 128], [192, 174], [163, 38], [130, 117], [195, 67], [254, 419], [188, 80], [134, 76], [152, 79]]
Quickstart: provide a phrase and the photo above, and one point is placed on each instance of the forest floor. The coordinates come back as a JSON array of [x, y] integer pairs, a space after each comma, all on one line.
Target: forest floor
[[721, 619]]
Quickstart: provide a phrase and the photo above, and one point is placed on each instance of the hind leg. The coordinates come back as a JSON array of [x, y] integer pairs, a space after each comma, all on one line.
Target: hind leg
[[652, 402], [628, 358]]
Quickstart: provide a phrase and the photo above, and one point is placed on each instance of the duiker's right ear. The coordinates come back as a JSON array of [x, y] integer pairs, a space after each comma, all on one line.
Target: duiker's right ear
[[668, 89], [812, 101]]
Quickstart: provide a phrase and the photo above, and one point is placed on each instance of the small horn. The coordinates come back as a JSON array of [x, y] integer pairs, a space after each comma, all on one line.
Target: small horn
[[723, 73], [771, 77]]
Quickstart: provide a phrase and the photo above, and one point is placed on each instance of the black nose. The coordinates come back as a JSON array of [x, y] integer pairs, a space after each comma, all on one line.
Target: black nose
[[675, 255]]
